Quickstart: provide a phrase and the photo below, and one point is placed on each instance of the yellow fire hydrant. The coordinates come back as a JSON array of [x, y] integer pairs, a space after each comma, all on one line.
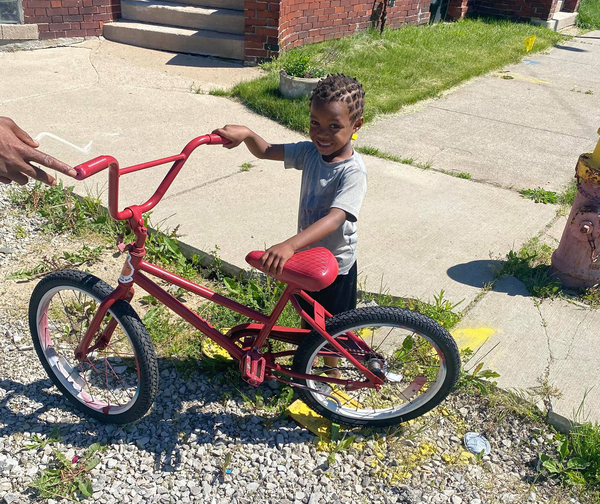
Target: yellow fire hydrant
[[576, 261]]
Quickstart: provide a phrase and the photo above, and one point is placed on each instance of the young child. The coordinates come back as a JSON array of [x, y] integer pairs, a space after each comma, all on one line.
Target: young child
[[334, 183]]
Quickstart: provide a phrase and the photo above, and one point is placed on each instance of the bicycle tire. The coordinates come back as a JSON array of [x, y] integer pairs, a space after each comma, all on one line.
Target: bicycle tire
[[61, 305], [418, 337]]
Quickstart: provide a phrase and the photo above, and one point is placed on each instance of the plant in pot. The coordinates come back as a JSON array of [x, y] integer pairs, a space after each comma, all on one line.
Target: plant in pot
[[298, 76]]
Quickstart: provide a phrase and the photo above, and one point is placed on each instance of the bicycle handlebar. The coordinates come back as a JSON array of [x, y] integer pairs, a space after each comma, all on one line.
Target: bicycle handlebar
[[93, 166]]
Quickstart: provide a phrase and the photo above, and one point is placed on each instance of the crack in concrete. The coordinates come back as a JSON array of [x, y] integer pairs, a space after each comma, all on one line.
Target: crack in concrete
[[199, 186], [571, 343], [546, 398], [509, 123], [92, 52]]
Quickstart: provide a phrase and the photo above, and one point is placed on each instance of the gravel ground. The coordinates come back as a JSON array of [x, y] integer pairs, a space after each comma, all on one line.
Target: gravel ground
[[178, 452]]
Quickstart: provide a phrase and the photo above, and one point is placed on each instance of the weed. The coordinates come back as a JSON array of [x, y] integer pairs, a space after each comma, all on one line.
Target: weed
[[373, 151], [299, 64], [246, 167], [540, 195], [64, 211], [277, 404], [20, 232], [591, 296], [567, 197], [67, 478], [577, 457], [40, 443], [589, 92], [479, 378], [259, 294], [42, 267], [462, 175], [442, 310], [531, 265], [215, 92], [172, 336], [225, 465], [85, 255], [334, 447]]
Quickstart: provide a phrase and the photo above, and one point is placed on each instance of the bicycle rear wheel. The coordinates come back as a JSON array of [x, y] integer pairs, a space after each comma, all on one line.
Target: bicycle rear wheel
[[417, 356], [116, 384]]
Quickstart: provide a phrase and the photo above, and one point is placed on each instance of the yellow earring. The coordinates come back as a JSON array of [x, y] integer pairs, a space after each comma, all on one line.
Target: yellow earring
[[354, 136]]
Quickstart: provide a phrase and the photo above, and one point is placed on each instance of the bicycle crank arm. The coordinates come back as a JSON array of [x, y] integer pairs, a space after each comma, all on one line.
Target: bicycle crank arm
[[304, 387]]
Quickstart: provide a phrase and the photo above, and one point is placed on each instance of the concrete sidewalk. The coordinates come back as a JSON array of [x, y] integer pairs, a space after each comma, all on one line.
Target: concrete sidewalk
[[420, 231]]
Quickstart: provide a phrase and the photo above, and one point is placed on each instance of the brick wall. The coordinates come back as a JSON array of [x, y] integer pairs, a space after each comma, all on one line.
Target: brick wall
[[522, 10], [261, 39], [70, 18], [272, 26]]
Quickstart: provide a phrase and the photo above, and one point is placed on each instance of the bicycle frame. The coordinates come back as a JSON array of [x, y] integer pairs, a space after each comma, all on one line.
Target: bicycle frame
[[256, 366]]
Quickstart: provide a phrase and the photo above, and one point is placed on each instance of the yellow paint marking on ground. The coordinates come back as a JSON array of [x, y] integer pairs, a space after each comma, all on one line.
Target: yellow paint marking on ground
[[306, 417], [528, 79], [314, 422], [472, 337], [345, 399], [213, 351]]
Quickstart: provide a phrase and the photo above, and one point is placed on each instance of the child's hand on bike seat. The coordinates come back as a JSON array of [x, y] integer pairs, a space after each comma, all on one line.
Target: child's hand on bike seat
[[275, 257]]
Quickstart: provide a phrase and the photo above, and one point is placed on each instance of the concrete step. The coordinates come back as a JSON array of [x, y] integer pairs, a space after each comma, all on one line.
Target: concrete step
[[175, 39], [183, 15], [560, 21], [217, 4]]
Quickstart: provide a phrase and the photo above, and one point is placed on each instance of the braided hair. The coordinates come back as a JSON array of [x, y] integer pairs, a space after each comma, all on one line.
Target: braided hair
[[341, 88]]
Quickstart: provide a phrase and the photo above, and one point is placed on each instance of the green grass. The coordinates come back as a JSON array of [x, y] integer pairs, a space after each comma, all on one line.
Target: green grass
[[531, 265], [576, 462], [540, 195], [589, 15], [374, 151], [441, 309], [399, 67]]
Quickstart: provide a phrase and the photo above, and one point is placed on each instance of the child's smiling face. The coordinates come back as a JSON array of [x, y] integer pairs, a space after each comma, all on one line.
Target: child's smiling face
[[331, 129]]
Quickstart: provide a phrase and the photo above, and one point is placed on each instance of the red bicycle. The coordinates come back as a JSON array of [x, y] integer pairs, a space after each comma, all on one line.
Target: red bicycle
[[392, 364]]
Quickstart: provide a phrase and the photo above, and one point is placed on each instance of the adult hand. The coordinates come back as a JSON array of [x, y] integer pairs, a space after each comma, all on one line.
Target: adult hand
[[18, 151]]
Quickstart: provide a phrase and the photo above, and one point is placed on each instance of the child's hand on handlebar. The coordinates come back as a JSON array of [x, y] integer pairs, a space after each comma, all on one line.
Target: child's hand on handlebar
[[275, 257], [235, 134]]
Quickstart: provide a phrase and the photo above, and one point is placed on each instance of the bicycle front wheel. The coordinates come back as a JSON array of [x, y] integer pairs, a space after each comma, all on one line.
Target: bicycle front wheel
[[417, 356], [115, 384]]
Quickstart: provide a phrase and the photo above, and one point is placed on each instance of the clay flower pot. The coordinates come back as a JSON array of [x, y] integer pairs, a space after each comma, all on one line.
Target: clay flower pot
[[294, 87]]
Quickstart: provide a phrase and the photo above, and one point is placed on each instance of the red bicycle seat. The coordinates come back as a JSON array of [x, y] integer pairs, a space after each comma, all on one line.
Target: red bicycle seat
[[311, 270]]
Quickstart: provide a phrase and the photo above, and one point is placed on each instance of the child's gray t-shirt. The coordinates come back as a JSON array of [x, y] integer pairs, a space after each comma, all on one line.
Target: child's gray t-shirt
[[342, 185]]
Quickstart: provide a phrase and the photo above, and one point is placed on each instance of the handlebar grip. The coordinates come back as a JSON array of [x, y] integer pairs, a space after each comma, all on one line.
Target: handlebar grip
[[217, 139], [93, 166]]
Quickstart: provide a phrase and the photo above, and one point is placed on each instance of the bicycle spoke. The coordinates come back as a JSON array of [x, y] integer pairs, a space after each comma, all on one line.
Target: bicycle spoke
[[96, 380]]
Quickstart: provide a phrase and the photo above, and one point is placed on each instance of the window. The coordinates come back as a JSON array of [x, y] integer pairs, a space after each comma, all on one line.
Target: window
[[10, 11]]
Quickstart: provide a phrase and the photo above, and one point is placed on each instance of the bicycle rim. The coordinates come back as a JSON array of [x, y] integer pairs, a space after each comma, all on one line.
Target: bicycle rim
[[106, 380], [413, 359]]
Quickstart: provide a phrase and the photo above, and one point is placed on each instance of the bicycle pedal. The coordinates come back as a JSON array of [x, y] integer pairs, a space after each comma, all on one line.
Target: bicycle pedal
[[253, 368]]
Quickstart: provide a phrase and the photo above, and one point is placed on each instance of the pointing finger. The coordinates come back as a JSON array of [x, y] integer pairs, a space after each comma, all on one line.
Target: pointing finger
[[49, 162]]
